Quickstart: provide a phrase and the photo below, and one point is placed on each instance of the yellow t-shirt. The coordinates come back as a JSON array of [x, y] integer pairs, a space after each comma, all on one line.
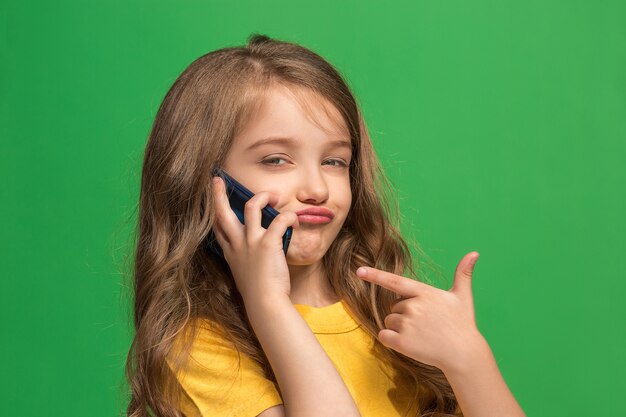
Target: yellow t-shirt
[[214, 387]]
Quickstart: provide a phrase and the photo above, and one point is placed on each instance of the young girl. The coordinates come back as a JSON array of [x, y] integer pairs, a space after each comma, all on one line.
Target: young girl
[[264, 333]]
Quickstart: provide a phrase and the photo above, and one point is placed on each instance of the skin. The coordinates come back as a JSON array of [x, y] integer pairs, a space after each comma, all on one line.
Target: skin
[[443, 321], [307, 173]]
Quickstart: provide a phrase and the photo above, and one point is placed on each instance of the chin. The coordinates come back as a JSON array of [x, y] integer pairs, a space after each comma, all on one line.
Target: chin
[[298, 260], [297, 256], [305, 250]]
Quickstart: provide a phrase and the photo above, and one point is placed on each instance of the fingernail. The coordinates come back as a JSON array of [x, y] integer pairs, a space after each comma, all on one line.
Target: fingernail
[[475, 258], [362, 272], [215, 180]]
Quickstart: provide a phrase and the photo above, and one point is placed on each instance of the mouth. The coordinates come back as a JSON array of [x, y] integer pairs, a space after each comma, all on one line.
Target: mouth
[[315, 215], [313, 219]]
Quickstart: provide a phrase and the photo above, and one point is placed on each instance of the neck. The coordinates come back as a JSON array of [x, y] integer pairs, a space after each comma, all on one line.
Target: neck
[[310, 286]]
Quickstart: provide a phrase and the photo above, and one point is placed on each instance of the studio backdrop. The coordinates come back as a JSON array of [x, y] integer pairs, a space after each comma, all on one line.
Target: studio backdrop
[[501, 125]]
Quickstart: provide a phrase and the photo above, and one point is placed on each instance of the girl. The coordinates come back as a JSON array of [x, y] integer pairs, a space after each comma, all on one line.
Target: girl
[[261, 333]]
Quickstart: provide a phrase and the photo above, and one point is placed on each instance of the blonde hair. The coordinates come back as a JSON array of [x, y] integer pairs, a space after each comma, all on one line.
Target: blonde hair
[[175, 280]]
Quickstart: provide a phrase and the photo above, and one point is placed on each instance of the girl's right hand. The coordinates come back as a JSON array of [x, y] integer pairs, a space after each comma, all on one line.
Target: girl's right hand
[[255, 254]]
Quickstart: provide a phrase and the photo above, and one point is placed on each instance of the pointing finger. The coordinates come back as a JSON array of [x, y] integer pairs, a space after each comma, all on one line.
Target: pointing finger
[[406, 287]]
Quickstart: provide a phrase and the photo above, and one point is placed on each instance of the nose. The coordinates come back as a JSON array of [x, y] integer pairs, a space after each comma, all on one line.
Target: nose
[[312, 188]]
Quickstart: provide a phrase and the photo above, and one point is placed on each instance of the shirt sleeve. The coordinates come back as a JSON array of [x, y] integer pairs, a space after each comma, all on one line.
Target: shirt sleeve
[[217, 386]]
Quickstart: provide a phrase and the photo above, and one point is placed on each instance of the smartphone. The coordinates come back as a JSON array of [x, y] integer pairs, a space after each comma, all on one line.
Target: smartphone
[[237, 196]]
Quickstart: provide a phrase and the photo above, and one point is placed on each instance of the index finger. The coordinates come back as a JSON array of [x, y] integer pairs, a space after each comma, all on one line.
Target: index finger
[[228, 219], [406, 287]]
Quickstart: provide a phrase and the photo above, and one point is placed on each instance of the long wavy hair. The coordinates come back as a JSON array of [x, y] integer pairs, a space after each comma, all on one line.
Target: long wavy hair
[[176, 281]]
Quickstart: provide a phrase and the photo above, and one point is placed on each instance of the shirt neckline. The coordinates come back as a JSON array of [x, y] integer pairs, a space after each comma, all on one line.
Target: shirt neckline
[[330, 319]]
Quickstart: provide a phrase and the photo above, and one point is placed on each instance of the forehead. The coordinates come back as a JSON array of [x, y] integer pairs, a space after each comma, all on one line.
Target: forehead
[[293, 112]]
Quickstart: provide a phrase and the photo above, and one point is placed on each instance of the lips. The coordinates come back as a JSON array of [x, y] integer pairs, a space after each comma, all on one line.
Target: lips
[[315, 215]]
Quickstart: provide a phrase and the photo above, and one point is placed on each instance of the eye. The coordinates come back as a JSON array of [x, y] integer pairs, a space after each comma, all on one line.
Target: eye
[[340, 162], [268, 160]]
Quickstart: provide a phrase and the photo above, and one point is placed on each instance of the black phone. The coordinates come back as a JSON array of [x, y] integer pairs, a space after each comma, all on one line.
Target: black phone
[[237, 196]]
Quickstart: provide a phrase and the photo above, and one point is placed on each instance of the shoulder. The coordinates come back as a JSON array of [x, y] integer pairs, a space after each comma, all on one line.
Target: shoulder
[[220, 380]]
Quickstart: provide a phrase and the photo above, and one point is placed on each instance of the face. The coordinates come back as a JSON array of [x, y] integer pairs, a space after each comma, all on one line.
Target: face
[[308, 169]]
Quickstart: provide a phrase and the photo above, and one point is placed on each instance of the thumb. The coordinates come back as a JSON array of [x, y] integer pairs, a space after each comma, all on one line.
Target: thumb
[[463, 275]]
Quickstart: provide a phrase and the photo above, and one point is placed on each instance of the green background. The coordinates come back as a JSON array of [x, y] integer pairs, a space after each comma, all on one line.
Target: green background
[[502, 125]]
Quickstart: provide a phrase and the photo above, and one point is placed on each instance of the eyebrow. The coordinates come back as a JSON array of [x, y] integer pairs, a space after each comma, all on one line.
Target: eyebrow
[[291, 141]]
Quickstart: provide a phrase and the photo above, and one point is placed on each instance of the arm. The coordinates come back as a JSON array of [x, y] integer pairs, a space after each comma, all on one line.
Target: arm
[[479, 387], [308, 380]]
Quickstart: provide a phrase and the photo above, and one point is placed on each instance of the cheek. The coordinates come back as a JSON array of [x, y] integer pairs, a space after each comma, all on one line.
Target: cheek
[[346, 197], [257, 185]]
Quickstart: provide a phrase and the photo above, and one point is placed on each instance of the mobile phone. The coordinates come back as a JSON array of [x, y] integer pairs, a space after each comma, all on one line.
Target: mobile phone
[[237, 196]]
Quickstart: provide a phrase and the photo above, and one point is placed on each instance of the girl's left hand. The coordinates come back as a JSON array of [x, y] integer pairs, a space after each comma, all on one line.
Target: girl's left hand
[[430, 325]]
